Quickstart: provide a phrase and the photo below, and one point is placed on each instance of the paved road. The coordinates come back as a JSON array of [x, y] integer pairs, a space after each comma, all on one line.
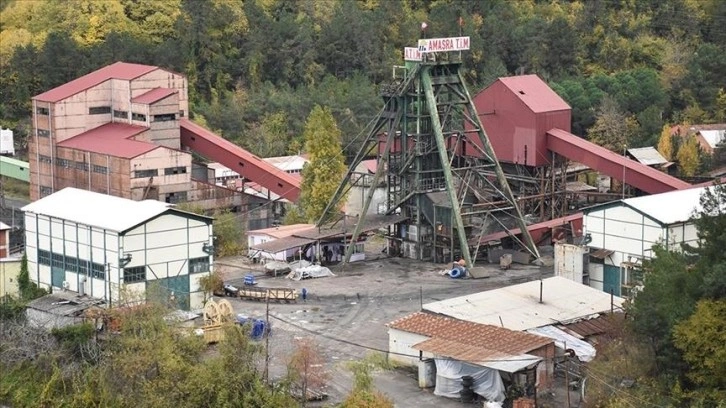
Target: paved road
[[346, 316]]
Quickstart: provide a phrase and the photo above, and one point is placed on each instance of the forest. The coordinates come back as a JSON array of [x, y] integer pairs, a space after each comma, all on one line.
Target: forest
[[256, 68]]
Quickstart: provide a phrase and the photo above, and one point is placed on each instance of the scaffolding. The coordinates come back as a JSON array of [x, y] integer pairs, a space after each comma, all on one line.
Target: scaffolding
[[421, 139]]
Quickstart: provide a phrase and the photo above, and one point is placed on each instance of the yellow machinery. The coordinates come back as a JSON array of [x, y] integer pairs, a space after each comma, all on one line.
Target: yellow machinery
[[216, 316]]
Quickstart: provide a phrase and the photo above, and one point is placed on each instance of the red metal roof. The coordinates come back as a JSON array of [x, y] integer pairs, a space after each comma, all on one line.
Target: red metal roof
[[118, 70], [535, 93], [249, 166], [546, 225], [612, 164], [113, 139], [154, 95]]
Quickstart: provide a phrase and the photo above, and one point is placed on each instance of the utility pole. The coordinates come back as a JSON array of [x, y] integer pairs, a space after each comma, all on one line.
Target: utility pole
[[266, 333]]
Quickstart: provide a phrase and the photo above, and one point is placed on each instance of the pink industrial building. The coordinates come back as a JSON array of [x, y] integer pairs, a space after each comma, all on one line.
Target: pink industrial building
[[119, 131]]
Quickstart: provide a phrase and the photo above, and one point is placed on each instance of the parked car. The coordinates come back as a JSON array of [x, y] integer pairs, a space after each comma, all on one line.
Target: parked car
[[230, 290]]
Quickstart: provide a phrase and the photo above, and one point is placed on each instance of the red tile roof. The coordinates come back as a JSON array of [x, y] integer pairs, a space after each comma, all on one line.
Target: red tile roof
[[535, 93], [118, 70], [473, 334], [113, 139], [154, 95]]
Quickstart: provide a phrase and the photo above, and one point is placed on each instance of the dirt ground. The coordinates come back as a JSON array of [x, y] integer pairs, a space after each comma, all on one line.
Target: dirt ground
[[346, 316]]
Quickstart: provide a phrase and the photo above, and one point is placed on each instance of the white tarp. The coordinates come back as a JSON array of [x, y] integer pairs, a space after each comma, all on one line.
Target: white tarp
[[305, 270], [584, 350], [487, 382]]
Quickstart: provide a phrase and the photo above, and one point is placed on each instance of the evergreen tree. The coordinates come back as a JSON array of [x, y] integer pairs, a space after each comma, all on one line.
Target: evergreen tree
[[321, 176]]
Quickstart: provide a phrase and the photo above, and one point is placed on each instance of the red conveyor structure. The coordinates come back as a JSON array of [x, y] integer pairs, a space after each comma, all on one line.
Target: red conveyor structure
[[612, 164], [249, 166]]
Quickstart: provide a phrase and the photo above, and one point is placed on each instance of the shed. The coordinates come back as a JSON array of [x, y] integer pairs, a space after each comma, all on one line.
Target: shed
[[516, 113], [58, 310], [96, 245], [458, 345], [626, 231], [648, 156], [276, 240], [518, 307]]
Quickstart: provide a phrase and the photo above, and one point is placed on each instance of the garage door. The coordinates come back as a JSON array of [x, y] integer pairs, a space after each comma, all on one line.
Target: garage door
[[174, 290], [611, 279]]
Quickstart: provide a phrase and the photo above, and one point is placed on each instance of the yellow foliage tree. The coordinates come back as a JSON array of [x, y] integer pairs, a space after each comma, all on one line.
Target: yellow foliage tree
[[688, 157], [665, 143]]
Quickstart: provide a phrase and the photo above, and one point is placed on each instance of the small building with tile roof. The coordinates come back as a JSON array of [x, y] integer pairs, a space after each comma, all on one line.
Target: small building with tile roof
[[516, 356]]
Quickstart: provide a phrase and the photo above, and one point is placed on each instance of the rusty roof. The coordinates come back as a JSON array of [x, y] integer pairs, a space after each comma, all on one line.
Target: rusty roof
[[118, 70], [604, 323], [477, 355], [499, 339], [154, 95], [535, 93], [113, 139]]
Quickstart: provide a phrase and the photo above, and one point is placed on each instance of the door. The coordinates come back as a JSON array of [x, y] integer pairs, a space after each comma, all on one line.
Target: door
[[174, 290], [57, 276], [611, 279]]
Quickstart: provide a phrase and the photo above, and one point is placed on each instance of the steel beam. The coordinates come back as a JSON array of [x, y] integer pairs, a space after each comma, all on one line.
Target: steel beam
[[446, 167]]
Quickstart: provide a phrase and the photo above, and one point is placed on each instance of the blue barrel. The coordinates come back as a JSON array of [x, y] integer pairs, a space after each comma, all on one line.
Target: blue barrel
[[457, 272], [249, 280], [258, 328]]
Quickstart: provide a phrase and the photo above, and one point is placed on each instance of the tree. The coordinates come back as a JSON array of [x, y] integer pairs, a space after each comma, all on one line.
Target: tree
[[613, 129], [306, 368], [665, 143], [688, 157], [711, 226], [321, 176], [702, 339], [364, 394]]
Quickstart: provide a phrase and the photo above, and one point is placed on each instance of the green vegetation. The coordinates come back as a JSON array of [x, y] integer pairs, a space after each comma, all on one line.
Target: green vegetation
[[674, 345], [15, 188], [257, 68], [149, 363], [325, 171]]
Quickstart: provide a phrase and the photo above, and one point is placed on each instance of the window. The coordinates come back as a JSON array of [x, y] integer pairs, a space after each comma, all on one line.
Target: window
[[63, 163], [57, 261], [138, 116], [174, 170], [100, 169], [45, 159], [42, 111], [99, 110], [43, 257], [164, 117], [45, 191], [146, 173], [43, 132], [197, 265], [71, 264], [120, 114], [82, 166], [98, 271], [178, 197], [135, 274], [181, 113], [82, 267]]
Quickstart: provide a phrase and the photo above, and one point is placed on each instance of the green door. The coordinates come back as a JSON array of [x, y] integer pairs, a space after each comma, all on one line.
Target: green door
[[174, 290], [611, 279], [57, 276]]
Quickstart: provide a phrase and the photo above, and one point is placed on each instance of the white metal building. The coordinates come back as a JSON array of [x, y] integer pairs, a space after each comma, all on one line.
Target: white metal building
[[115, 249], [624, 232]]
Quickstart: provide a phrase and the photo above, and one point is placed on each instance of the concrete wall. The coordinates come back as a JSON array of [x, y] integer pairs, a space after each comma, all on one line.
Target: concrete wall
[[39, 318], [399, 347], [357, 196], [162, 79]]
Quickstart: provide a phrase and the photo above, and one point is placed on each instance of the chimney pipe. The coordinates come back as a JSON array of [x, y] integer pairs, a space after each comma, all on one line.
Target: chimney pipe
[[541, 283]]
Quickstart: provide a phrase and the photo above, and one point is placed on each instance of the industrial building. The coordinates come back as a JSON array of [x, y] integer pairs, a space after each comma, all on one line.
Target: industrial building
[[623, 233], [123, 130], [460, 169], [117, 250]]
